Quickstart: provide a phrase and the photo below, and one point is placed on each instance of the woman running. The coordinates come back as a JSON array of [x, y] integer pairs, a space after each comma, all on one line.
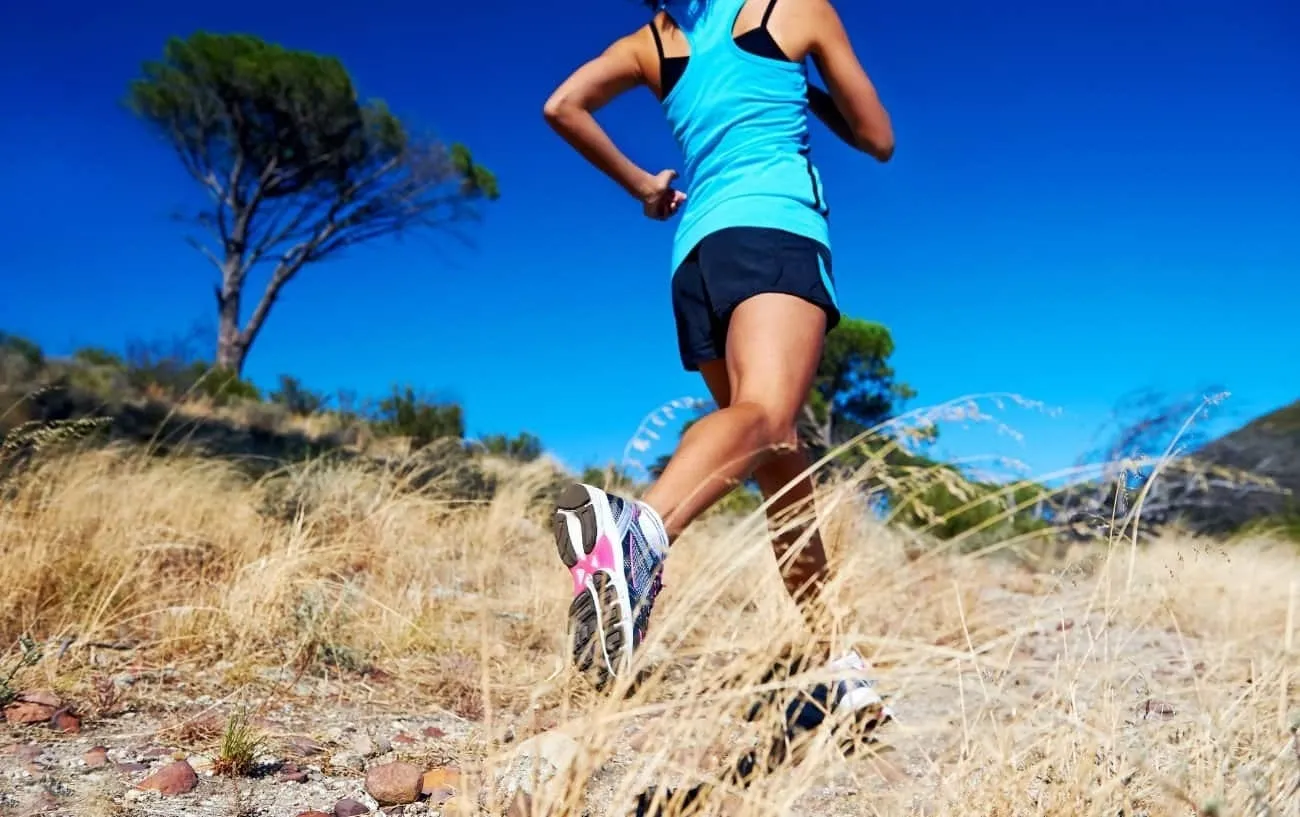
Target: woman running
[[752, 288]]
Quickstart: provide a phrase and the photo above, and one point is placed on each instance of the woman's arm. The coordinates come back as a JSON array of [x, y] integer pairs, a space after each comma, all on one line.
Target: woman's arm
[[823, 107], [569, 111], [852, 109]]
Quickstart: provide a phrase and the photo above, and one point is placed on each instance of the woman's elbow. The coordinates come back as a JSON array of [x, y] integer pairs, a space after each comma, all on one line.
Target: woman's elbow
[[876, 142], [554, 109]]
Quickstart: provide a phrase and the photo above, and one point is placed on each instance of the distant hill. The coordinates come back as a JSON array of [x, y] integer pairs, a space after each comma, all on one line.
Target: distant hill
[[1248, 477], [1268, 446]]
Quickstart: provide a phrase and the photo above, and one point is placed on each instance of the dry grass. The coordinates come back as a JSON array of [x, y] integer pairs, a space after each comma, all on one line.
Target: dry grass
[[1159, 680]]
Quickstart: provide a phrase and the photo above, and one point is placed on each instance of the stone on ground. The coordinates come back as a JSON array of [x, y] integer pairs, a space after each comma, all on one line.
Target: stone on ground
[[172, 779], [393, 784]]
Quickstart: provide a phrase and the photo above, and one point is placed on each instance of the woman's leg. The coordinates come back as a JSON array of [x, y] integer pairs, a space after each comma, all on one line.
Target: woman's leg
[[769, 374], [804, 573]]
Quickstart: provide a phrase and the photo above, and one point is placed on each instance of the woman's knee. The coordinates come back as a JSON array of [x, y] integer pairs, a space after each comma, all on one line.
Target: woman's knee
[[774, 430]]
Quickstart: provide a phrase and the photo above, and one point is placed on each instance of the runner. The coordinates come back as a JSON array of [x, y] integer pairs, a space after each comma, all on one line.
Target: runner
[[752, 288]]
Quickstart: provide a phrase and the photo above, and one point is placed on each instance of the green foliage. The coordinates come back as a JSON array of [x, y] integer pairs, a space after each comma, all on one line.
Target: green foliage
[[409, 414], [29, 655], [224, 386], [855, 388], [178, 378], [744, 500], [26, 350], [241, 103], [97, 356], [1285, 525], [946, 504], [241, 742], [610, 478], [524, 448], [297, 398]]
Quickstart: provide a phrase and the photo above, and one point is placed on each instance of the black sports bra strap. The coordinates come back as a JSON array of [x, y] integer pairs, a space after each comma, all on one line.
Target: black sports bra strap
[[767, 15], [659, 43]]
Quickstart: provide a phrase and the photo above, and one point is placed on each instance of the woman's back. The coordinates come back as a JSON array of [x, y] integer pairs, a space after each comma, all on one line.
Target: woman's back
[[738, 108]]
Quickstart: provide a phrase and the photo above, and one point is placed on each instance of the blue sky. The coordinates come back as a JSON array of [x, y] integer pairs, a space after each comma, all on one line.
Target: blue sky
[[1087, 199]]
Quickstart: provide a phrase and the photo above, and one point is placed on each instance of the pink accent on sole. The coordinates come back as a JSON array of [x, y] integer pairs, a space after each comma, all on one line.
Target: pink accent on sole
[[600, 558]]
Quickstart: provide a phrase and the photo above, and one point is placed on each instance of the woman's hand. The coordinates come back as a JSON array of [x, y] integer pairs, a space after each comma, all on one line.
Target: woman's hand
[[659, 200]]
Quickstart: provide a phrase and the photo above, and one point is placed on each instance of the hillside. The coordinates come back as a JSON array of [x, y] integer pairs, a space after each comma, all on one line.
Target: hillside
[[1268, 446], [264, 607], [190, 639]]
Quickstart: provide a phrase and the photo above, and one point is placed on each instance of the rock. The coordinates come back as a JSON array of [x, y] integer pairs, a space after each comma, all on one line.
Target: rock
[[521, 805], [172, 779], [290, 773], [433, 732], [312, 814], [347, 807], [132, 768], [394, 783], [348, 760], [201, 764], [536, 761], [66, 722], [1156, 709], [639, 740], [96, 757], [43, 803], [368, 747], [40, 696], [403, 738], [441, 784], [555, 747], [21, 713], [303, 746], [362, 744], [458, 807], [26, 752]]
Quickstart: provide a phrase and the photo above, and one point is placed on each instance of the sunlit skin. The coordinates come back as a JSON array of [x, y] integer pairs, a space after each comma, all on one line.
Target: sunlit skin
[[763, 380]]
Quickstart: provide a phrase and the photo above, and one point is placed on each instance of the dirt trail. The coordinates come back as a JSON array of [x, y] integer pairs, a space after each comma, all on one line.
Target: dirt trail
[[952, 726]]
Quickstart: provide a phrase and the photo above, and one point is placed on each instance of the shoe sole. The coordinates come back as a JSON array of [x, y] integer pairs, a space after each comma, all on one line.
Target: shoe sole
[[600, 615], [862, 724], [853, 720]]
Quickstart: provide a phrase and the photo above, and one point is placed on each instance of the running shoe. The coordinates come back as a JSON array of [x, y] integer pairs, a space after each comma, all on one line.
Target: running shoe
[[615, 550], [849, 699]]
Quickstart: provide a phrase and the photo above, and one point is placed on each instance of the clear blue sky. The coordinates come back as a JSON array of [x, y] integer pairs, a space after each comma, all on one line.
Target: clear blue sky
[[1088, 198]]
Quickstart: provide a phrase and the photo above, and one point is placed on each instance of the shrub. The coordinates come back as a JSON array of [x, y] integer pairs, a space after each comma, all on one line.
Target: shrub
[[297, 398], [523, 448], [97, 356], [610, 478], [409, 414], [21, 347]]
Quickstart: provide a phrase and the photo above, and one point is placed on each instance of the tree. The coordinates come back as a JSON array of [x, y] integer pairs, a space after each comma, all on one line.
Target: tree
[[854, 388], [296, 168]]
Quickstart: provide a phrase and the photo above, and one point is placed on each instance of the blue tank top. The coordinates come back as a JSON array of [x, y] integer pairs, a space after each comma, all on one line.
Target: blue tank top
[[741, 121]]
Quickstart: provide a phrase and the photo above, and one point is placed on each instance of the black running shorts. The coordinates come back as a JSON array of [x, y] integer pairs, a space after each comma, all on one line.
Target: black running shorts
[[737, 263]]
